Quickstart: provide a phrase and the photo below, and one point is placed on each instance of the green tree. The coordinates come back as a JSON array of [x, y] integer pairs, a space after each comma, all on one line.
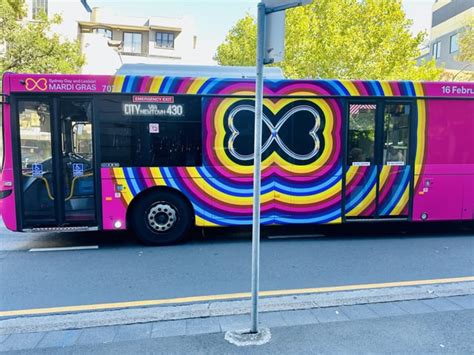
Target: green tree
[[466, 43], [345, 39], [31, 47]]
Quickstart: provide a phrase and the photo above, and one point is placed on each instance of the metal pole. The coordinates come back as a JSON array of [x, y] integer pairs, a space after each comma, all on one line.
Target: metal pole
[[257, 164]]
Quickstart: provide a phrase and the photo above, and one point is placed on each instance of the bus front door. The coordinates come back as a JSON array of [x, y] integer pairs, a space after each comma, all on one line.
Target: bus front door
[[378, 160], [57, 170]]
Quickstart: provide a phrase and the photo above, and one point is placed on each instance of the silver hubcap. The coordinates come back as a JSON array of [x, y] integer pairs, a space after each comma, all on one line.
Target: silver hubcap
[[161, 217]]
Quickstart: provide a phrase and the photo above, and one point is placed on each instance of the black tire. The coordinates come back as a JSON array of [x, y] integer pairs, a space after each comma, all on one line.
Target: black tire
[[161, 218]]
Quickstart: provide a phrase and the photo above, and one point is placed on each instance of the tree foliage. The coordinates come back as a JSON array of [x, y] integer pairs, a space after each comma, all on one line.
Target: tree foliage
[[31, 46], [345, 39], [466, 43]]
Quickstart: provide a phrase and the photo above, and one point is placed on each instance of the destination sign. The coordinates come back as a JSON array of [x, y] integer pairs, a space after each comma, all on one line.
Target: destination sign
[[162, 110]]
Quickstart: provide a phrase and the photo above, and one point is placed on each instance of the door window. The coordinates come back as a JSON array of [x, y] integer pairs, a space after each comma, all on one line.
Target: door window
[[361, 137], [77, 161], [36, 160], [396, 134]]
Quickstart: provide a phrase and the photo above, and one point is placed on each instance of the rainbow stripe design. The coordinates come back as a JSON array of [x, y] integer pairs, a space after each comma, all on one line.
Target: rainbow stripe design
[[221, 190]]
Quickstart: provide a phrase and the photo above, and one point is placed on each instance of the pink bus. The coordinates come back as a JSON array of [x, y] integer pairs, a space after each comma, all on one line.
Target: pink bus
[[160, 155]]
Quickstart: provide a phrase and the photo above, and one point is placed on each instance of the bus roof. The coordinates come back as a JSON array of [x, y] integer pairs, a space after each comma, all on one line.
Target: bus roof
[[208, 71]]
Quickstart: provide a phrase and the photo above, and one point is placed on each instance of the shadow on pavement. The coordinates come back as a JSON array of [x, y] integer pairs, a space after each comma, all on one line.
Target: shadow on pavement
[[202, 236]]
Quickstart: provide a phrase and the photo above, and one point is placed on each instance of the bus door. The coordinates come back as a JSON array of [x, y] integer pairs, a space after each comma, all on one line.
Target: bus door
[[56, 155], [378, 165]]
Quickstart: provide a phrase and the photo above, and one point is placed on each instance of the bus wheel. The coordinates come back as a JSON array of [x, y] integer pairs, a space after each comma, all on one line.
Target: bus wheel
[[161, 218]]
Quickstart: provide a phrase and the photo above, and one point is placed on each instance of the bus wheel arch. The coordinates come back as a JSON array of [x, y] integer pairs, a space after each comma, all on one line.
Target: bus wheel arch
[[161, 216]]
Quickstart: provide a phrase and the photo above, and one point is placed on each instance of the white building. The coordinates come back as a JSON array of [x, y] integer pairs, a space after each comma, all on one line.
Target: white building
[[71, 11], [109, 40]]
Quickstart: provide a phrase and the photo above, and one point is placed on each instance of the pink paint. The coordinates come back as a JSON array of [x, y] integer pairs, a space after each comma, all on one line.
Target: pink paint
[[113, 209], [388, 187], [468, 197], [441, 200], [8, 206], [39, 83], [449, 89], [445, 191]]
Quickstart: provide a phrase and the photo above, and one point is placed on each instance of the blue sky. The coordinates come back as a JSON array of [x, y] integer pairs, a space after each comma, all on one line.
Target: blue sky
[[213, 18]]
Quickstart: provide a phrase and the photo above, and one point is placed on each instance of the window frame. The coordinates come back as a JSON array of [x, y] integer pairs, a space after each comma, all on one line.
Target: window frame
[[105, 31], [132, 44], [350, 161], [37, 6], [454, 37], [164, 42], [436, 51]]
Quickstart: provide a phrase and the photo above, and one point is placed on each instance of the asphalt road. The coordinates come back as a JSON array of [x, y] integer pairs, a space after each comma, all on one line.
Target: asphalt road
[[121, 270]]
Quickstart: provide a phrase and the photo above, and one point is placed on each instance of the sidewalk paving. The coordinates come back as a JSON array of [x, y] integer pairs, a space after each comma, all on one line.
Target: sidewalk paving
[[443, 324]]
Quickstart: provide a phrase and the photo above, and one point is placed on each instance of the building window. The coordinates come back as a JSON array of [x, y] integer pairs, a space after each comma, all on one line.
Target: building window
[[436, 50], [132, 42], [104, 32], [165, 39], [453, 43], [39, 6]]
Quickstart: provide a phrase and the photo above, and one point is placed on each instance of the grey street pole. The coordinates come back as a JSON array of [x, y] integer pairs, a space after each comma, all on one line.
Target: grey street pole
[[257, 166]]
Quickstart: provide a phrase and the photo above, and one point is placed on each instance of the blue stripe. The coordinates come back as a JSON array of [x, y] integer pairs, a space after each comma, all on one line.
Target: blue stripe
[[319, 219], [125, 83], [130, 83], [267, 186], [376, 87], [216, 218], [210, 87], [360, 196], [128, 172], [343, 88], [333, 84], [398, 193], [167, 86], [206, 84]]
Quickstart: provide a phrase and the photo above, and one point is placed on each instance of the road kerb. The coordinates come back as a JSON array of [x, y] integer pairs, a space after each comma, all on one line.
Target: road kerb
[[30, 324]]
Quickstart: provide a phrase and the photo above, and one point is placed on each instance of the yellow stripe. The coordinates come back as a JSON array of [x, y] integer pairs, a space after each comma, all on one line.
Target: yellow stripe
[[118, 83], [156, 84], [364, 203], [229, 296], [420, 134], [401, 203], [387, 90], [196, 85], [349, 85], [121, 180], [383, 178]]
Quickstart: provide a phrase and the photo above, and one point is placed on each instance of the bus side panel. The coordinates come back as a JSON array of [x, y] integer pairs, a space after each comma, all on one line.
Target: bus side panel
[[7, 205], [121, 185], [114, 207], [468, 200], [445, 184]]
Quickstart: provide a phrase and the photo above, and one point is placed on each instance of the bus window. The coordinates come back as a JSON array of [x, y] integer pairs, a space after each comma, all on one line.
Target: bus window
[[361, 140], [151, 134], [35, 133], [36, 160], [396, 133]]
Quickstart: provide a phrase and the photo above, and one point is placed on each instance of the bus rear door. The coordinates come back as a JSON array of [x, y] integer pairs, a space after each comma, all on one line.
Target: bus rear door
[[379, 160]]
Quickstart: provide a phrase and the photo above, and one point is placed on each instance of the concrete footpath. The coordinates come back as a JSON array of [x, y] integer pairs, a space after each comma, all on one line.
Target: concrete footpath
[[429, 318]]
